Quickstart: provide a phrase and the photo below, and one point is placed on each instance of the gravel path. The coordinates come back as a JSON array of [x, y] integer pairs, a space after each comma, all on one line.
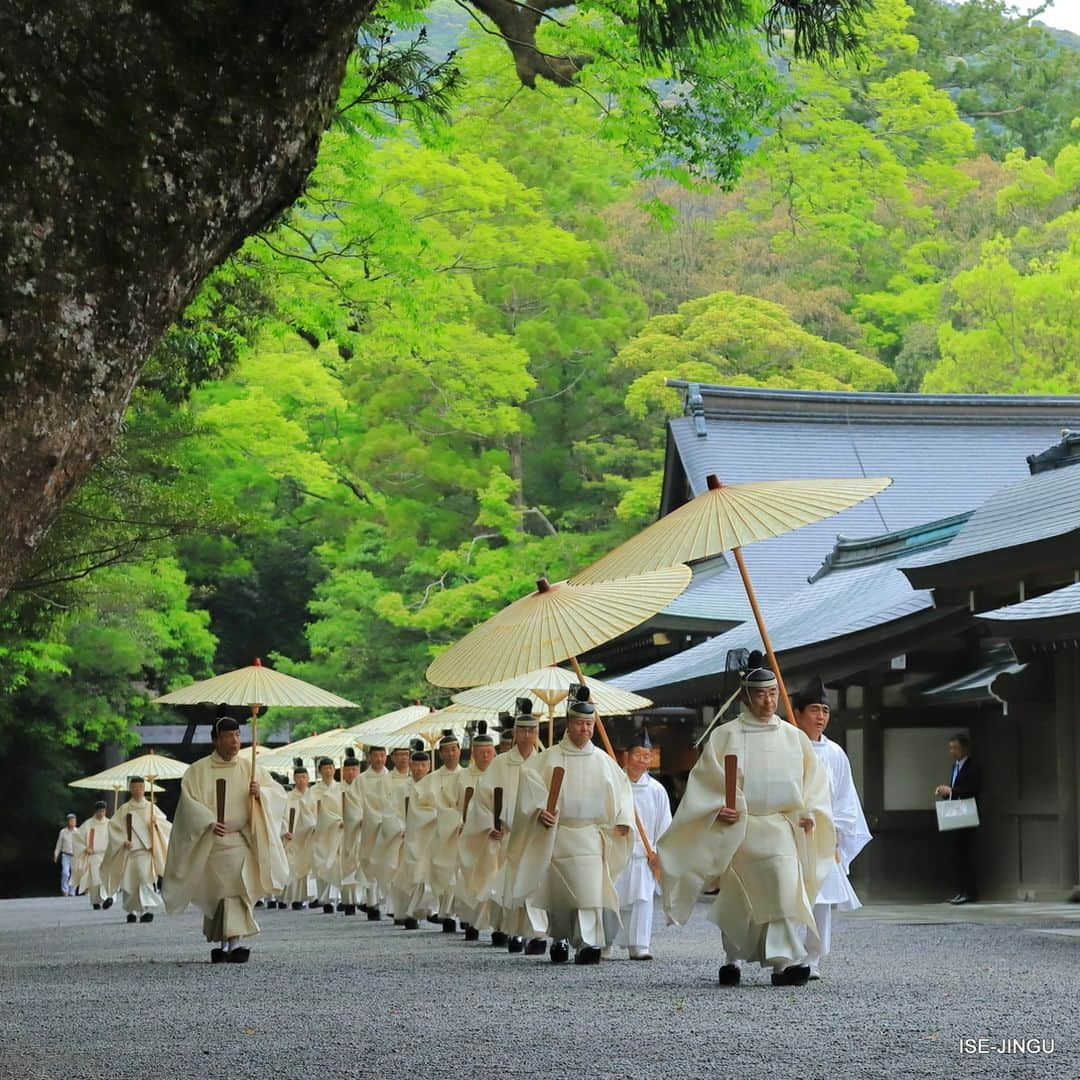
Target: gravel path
[[83, 995]]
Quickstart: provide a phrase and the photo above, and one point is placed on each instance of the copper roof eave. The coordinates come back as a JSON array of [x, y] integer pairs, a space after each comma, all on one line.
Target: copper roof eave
[[1008, 563], [835, 659]]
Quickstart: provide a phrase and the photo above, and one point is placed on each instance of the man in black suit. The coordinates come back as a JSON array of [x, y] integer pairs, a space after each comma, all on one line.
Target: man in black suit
[[965, 782]]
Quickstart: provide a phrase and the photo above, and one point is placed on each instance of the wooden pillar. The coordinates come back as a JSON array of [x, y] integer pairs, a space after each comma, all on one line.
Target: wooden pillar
[[1066, 706], [877, 884]]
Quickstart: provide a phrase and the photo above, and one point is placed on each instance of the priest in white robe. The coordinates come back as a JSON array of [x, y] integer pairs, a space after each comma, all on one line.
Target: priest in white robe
[[226, 848], [375, 782], [565, 861], [412, 895], [298, 836], [638, 884], [138, 843], [475, 854], [812, 711], [769, 854], [329, 833], [353, 881], [485, 841], [91, 840], [445, 790]]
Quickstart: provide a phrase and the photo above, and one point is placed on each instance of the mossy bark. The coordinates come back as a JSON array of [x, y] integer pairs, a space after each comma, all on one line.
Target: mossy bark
[[141, 143]]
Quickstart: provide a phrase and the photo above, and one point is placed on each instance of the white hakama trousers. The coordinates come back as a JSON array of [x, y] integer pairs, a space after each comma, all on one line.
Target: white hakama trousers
[[224, 883], [636, 930], [137, 884], [575, 897], [819, 940]]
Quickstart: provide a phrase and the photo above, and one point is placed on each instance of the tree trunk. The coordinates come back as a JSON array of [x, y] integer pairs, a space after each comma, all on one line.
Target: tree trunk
[[142, 143]]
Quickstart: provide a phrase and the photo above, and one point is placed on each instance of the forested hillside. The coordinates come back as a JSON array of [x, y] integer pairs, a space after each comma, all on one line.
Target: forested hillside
[[441, 374]]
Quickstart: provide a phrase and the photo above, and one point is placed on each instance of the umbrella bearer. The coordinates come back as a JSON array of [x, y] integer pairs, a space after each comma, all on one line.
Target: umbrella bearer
[[298, 833], [444, 790], [375, 781], [226, 849], [138, 842], [485, 840], [757, 821], [352, 815], [578, 811], [90, 841], [637, 885], [329, 832]]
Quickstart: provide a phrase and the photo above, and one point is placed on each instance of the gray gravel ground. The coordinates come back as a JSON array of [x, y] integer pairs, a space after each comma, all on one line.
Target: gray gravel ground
[[83, 995]]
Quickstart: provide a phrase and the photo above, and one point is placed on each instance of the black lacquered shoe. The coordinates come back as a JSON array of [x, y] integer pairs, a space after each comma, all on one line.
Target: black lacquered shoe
[[239, 955], [328, 909], [411, 924], [560, 951], [132, 917], [499, 939], [471, 933], [515, 945], [218, 956], [107, 903], [587, 955], [146, 916], [297, 905], [536, 946], [373, 914], [730, 975], [449, 926]]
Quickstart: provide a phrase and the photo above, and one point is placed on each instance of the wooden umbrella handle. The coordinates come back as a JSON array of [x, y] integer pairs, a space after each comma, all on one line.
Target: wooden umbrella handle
[[128, 826], [221, 800], [292, 817], [497, 802], [406, 808], [557, 775], [469, 792], [731, 775]]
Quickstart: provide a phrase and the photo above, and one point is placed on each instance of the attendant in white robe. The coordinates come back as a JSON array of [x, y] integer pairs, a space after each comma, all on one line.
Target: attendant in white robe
[[515, 926], [474, 861], [133, 865], [375, 782], [389, 838], [226, 847], [811, 705], [353, 881], [638, 884], [329, 833], [91, 840], [298, 835], [769, 855], [411, 894], [444, 790], [565, 862]]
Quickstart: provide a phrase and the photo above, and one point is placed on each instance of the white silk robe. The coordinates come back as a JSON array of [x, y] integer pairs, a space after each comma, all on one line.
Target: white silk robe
[[224, 875], [135, 870], [91, 841], [767, 869], [300, 849], [852, 833], [569, 870]]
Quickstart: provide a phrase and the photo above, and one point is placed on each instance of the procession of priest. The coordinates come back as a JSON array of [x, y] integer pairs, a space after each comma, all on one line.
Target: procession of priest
[[558, 851]]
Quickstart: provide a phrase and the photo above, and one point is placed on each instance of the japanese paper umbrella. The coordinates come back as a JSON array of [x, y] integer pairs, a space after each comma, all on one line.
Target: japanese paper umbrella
[[550, 686], [555, 623], [374, 732], [726, 517], [256, 687], [98, 782], [154, 767]]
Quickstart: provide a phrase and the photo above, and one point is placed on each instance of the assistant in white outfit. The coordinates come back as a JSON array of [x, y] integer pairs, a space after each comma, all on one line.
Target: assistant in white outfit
[[638, 885], [811, 706]]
